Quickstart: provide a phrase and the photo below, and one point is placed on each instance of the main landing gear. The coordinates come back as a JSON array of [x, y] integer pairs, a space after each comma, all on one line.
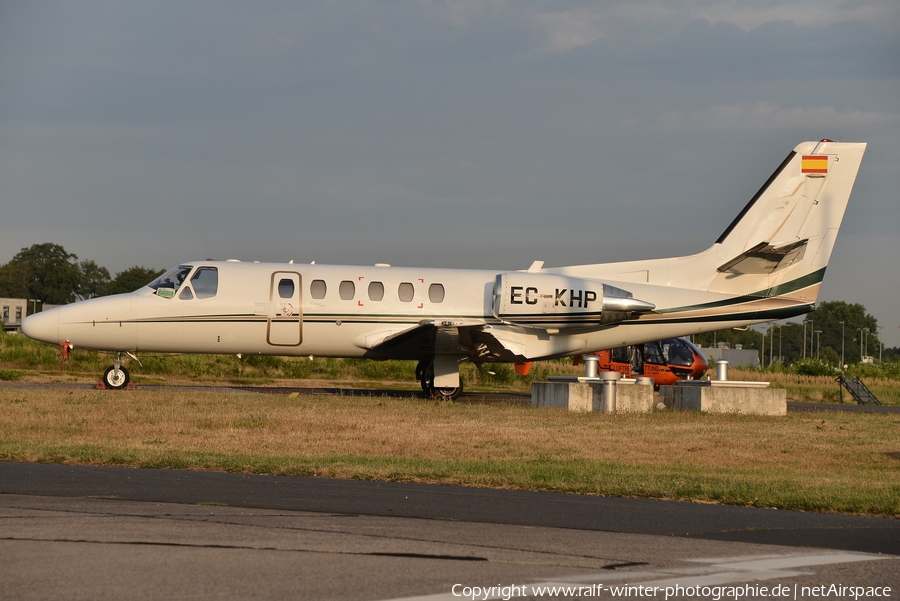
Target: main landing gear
[[116, 377], [446, 386]]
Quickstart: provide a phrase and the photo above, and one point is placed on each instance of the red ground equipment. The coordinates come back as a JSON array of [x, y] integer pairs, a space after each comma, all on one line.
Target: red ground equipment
[[666, 361]]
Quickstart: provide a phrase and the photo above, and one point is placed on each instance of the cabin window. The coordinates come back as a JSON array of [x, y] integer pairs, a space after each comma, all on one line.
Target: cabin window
[[347, 290], [436, 293], [286, 288], [168, 283], [186, 293], [206, 282], [376, 291], [317, 289], [406, 292]]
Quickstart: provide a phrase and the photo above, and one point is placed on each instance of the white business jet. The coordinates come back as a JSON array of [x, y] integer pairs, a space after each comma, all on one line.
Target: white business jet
[[767, 265]]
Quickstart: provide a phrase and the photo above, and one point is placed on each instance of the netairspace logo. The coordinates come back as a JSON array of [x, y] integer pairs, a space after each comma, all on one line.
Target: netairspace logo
[[715, 593]]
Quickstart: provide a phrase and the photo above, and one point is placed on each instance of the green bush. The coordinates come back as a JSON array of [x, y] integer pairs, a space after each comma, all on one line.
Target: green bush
[[812, 367], [888, 370], [10, 375]]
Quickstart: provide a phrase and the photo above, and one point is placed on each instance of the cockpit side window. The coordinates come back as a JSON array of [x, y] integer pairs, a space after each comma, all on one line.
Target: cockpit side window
[[168, 283], [653, 354], [206, 282]]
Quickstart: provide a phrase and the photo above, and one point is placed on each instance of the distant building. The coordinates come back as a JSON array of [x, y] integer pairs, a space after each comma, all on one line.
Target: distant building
[[736, 357], [13, 312]]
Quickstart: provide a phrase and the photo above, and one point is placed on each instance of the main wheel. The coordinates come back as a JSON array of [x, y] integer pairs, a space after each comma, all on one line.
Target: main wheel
[[446, 393], [116, 378]]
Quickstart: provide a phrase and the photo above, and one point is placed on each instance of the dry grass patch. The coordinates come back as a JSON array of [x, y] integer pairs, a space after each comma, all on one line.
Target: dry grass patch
[[820, 389], [825, 462]]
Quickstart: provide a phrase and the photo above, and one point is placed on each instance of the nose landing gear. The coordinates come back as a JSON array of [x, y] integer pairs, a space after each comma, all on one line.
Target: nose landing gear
[[116, 376]]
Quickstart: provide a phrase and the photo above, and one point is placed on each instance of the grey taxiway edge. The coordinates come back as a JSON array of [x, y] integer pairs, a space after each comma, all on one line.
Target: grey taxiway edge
[[425, 501]]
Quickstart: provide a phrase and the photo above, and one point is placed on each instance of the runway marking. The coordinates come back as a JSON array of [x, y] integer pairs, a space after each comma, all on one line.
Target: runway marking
[[716, 571]]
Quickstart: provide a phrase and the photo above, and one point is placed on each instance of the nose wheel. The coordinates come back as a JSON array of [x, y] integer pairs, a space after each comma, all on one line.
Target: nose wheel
[[116, 377]]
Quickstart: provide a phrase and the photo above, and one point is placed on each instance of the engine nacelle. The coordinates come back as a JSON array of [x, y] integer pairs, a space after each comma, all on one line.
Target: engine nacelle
[[548, 301]]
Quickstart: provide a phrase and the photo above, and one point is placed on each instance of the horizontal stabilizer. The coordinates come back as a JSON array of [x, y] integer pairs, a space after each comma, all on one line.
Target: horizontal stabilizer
[[765, 258]]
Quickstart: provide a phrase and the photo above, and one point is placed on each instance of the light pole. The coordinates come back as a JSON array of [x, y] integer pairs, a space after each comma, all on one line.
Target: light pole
[[880, 350], [771, 343], [762, 352], [780, 336], [811, 325], [803, 346], [34, 302], [842, 346], [818, 345]]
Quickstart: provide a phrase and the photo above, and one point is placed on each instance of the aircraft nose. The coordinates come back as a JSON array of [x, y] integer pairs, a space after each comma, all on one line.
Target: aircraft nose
[[42, 326]]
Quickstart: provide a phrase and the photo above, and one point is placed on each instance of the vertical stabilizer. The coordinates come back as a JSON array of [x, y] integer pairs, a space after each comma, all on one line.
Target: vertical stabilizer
[[780, 244]]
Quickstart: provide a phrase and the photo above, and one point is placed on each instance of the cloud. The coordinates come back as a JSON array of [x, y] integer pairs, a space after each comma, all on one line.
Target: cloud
[[768, 115], [579, 25], [454, 132]]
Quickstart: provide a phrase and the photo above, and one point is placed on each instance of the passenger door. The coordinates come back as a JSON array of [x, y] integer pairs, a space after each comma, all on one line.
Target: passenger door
[[285, 319]]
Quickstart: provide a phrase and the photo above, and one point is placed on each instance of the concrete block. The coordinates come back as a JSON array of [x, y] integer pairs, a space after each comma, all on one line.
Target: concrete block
[[585, 394], [633, 398], [573, 396], [668, 396], [749, 398]]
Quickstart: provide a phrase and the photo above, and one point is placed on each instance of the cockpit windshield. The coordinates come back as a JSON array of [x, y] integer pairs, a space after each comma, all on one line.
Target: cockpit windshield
[[168, 283], [678, 352]]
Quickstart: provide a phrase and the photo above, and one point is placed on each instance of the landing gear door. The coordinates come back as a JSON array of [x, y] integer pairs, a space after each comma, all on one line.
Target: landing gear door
[[285, 319]]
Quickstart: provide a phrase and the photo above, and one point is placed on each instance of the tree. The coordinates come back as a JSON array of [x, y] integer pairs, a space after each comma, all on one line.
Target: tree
[[131, 279], [828, 317], [94, 280], [13, 281], [50, 273], [795, 340]]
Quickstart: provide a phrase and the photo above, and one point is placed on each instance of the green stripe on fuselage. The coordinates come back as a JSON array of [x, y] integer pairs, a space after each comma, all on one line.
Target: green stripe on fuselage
[[776, 291]]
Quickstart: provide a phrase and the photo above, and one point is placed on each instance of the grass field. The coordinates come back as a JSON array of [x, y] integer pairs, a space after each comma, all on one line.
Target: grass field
[[24, 359], [833, 462]]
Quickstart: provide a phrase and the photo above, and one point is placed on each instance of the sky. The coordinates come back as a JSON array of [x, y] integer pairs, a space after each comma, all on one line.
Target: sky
[[482, 134]]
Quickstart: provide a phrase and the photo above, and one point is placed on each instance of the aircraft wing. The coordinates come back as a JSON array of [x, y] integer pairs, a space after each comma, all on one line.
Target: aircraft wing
[[477, 340]]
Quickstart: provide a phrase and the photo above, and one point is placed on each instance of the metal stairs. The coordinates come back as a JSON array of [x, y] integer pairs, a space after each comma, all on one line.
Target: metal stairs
[[857, 390]]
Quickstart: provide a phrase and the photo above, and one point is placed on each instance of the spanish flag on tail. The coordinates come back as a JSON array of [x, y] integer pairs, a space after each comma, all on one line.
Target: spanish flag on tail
[[814, 163]]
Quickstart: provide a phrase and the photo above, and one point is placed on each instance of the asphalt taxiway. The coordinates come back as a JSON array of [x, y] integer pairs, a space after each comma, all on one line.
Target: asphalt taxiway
[[81, 532]]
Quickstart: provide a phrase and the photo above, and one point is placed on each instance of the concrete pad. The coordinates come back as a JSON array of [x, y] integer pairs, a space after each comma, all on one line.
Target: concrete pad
[[572, 396], [585, 395], [749, 398], [634, 398]]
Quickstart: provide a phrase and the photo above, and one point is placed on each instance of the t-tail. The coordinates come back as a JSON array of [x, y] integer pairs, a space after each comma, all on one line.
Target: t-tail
[[780, 244], [769, 263]]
